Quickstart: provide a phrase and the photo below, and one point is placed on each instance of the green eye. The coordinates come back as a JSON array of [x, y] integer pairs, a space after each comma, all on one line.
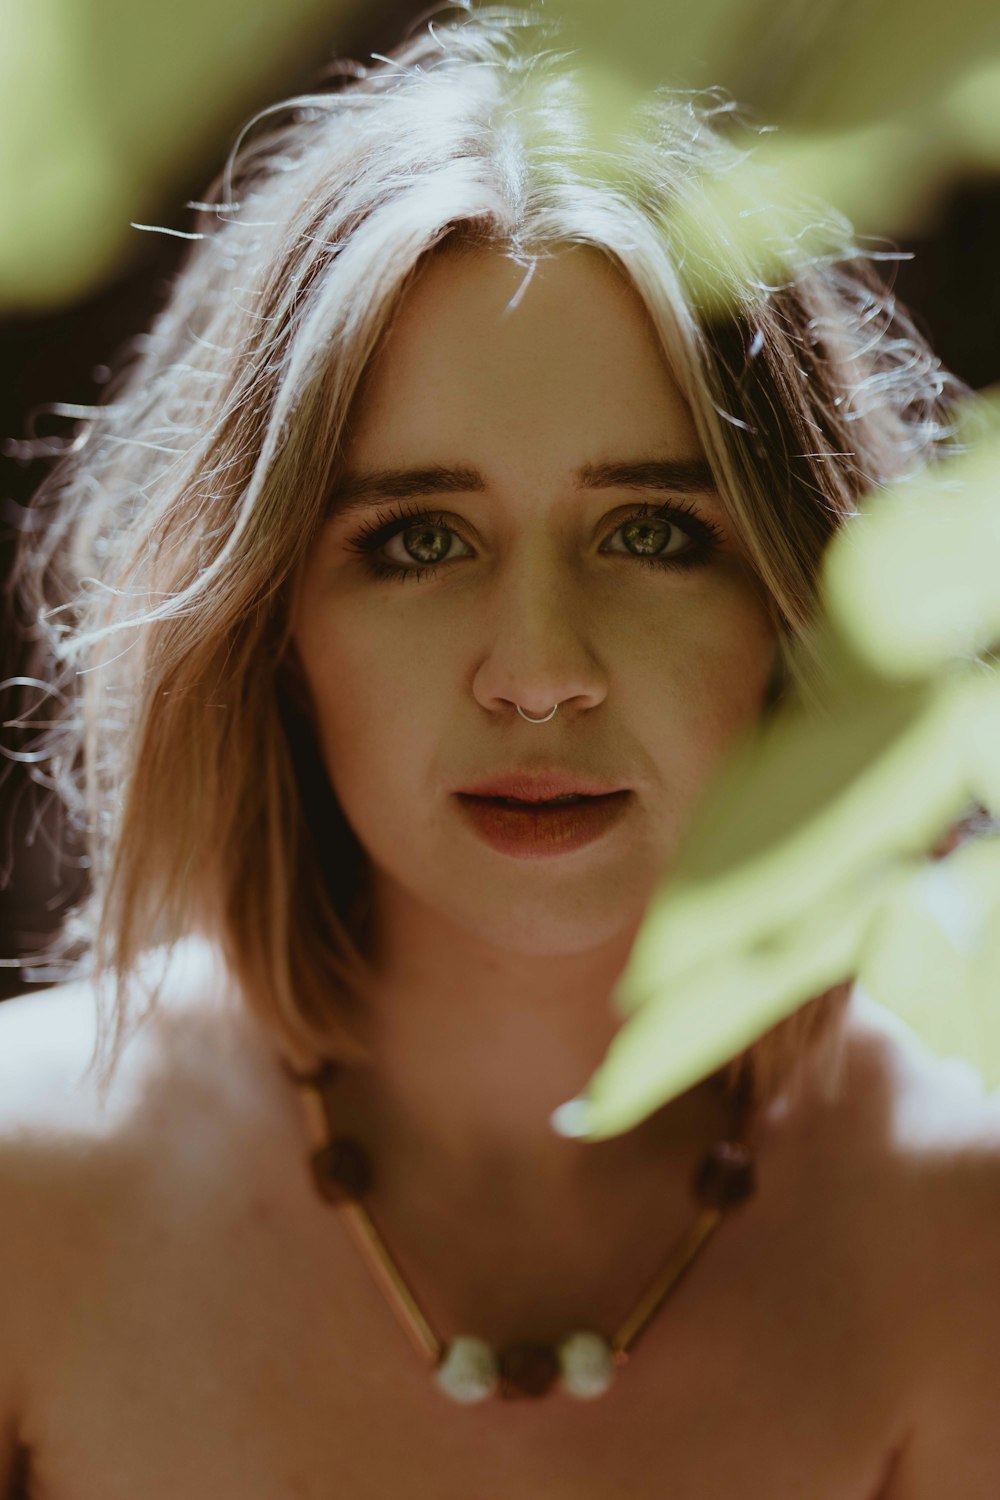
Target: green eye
[[653, 530]]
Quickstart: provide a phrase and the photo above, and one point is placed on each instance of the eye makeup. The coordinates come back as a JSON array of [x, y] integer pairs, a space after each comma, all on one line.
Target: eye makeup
[[369, 540]]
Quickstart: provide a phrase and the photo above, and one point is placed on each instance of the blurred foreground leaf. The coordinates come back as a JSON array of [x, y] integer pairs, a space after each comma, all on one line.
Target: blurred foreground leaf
[[916, 582], [807, 863], [106, 105], [932, 954]]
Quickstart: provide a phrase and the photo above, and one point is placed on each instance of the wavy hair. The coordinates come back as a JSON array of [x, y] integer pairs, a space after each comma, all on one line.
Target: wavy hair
[[156, 578]]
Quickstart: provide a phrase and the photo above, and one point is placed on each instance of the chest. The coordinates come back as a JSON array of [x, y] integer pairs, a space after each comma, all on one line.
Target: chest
[[229, 1359]]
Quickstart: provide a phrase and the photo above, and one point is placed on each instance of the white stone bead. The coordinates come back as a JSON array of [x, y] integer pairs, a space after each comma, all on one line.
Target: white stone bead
[[587, 1365], [469, 1371]]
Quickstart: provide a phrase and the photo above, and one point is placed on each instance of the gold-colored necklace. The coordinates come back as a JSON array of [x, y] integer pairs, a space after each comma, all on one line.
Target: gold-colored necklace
[[466, 1368]]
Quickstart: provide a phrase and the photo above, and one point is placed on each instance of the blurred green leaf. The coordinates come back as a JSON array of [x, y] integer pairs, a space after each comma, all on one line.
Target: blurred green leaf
[[932, 954], [913, 581], [752, 926], [106, 105], [806, 864]]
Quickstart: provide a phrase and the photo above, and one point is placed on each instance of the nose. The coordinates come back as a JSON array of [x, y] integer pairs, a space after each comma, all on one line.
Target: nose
[[540, 644]]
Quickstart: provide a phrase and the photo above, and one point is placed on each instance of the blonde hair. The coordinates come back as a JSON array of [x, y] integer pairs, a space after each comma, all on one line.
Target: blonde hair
[[156, 582]]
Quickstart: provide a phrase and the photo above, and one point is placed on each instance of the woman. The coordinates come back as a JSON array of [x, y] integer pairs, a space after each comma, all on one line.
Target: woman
[[443, 486]]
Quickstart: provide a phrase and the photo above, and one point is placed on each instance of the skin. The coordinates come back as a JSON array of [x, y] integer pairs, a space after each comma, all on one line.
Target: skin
[[507, 963]]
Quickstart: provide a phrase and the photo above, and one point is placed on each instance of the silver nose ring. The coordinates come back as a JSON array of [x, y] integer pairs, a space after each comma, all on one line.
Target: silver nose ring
[[530, 720]]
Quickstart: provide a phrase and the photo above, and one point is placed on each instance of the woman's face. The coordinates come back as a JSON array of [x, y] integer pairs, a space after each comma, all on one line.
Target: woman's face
[[535, 582]]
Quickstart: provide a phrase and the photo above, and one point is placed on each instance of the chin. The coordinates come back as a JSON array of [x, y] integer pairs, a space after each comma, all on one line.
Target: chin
[[538, 931]]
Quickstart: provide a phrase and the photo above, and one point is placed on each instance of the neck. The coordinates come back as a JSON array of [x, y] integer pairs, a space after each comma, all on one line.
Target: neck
[[472, 1047]]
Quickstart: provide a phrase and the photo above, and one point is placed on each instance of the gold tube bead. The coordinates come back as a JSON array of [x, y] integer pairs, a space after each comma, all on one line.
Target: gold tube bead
[[388, 1276], [677, 1263]]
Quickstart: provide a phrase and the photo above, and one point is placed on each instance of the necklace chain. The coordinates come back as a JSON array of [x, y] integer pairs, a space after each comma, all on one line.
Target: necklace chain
[[466, 1368]]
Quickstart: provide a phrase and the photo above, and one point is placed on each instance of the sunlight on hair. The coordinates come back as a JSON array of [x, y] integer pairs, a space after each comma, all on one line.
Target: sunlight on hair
[[879, 149], [813, 67]]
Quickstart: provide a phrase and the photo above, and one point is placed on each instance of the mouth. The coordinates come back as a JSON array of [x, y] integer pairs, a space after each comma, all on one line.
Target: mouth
[[556, 825], [536, 803], [551, 784]]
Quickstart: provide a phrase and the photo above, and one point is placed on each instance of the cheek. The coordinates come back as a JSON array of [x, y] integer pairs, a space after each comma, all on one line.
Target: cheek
[[740, 655], [734, 688], [349, 708], [716, 664], [369, 688]]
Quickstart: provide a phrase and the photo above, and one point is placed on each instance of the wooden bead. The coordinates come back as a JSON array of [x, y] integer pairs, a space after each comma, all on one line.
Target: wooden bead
[[726, 1176], [528, 1370], [342, 1170]]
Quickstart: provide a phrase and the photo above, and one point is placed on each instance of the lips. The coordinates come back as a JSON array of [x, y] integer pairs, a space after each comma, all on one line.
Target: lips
[[531, 830], [564, 800], [537, 802], [539, 786]]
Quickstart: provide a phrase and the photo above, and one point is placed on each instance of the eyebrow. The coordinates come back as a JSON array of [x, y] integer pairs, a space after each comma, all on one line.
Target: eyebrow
[[672, 475]]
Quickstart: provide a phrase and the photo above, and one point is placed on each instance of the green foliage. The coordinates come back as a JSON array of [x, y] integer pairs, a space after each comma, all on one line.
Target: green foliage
[[808, 863], [809, 860]]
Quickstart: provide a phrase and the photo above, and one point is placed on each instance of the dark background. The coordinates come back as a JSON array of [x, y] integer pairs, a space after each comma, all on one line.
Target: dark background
[[950, 284]]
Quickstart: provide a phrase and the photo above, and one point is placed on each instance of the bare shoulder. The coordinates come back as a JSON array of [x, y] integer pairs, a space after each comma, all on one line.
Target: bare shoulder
[[49, 1154], [44, 1149], [84, 1172], [91, 1180], [189, 1057], [48, 1083], [60, 1139], [941, 1131]]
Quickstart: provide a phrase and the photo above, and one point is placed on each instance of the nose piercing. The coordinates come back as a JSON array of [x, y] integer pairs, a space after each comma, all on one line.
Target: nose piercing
[[530, 720]]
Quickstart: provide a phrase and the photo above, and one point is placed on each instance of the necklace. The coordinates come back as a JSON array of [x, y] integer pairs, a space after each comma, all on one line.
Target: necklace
[[465, 1368]]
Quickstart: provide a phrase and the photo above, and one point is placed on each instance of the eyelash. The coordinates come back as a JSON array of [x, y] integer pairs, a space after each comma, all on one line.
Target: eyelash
[[373, 535]]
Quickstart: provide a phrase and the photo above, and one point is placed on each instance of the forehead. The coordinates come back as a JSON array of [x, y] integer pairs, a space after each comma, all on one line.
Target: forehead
[[557, 359]]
